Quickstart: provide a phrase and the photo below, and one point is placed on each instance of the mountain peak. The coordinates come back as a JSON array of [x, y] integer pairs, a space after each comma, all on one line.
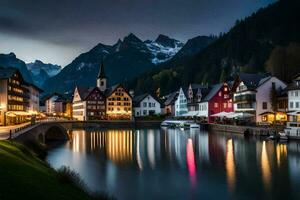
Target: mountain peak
[[166, 41], [132, 37]]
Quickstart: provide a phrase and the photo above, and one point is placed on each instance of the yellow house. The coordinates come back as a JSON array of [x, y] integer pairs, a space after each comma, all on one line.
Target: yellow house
[[118, 103]]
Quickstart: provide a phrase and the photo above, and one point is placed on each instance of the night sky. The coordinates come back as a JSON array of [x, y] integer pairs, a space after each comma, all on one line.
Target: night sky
[[57, 31]]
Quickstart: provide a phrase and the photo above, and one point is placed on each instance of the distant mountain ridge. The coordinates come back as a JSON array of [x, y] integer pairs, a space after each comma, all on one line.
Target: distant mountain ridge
[[266, 41], [126, 59], [10, 60], [40, 71]]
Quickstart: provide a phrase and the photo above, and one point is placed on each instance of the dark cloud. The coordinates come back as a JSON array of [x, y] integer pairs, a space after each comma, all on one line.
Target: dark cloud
[[85, 23]]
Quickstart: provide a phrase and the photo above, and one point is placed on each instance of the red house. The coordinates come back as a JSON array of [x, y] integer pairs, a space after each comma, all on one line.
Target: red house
[[217, 100]]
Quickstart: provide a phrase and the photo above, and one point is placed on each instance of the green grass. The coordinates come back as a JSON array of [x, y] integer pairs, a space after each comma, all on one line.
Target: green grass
[[24, 176]]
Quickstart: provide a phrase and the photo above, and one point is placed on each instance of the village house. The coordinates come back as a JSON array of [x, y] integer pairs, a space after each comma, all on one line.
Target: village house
[[146, 105], [57, 105], [88, 104], [216, 100], [19, 100], [100, 102], [252, 96], [194, 95], [34, 98], [293, 91], [169, 103], [181, 108]]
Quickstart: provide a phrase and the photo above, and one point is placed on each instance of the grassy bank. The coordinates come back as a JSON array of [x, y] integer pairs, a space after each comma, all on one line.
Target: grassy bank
[[24, 176]]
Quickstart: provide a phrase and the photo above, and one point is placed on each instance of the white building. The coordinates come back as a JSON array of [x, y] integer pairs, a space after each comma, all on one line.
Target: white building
[[145, 105], [34, 98], [252, 95], [181, 107], [54, 104], [294, 100]]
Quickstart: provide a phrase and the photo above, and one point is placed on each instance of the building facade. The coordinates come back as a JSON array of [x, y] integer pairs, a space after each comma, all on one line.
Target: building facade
[[181, 107], [293, 91], [14, 97], [34, 99], [217, 100], [252, 96], [146, 105], [118, 103], [89, 104]]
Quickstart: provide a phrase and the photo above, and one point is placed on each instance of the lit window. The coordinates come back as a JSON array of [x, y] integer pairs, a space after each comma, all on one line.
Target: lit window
[[216, 105]]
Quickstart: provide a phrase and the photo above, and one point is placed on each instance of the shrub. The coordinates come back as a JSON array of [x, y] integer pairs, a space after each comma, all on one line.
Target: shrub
[[68, 176]]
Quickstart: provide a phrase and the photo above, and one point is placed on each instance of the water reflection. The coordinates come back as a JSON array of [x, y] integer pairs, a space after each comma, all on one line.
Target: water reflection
[[230, 165], [265, 167], [190, 160], [169, 163]]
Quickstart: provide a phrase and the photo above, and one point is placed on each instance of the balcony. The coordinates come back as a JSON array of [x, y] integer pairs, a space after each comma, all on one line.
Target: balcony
[[244, 98]]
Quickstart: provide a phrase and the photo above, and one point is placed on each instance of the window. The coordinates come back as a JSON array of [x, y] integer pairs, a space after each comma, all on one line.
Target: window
[[220, 94], [149, 104], [144, 104], [225, 89], [225, 105], [264, 105], [297, 105], [291, 104], [144, 112], [296, 93], [216, 105], [229, 105]]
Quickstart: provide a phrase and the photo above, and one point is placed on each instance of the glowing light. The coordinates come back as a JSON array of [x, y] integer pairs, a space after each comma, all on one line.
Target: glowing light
[[191, 164], [281, 153], [230, 165], [265, 167], [151, 149]]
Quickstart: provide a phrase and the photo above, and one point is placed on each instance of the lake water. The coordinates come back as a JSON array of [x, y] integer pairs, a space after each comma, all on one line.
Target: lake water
[[176, 164]]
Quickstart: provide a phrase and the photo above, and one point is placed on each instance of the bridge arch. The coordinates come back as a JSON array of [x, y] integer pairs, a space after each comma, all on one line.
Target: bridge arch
[[55, 132]]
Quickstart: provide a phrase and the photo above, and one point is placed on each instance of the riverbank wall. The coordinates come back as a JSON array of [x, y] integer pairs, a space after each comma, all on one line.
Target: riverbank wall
[[256, 131], [115, 124]]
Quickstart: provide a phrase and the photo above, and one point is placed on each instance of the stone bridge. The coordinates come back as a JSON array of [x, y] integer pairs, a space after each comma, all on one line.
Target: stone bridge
[[43, 132], [60, 130]]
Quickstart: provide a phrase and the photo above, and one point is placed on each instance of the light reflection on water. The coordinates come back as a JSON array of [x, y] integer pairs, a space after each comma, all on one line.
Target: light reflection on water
[[176, 164]]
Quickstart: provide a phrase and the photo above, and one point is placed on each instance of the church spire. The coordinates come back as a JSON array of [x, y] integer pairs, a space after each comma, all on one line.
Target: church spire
[[101, 73], [101, 78]]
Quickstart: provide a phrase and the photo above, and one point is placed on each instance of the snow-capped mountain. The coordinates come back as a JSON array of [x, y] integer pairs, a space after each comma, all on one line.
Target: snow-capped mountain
[[40, 71], [38, 65], [126, 59], [163, 48]]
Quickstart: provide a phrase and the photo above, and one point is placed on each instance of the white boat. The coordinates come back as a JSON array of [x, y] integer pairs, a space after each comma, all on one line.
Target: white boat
[[175, 123], [292, 130], [194, 125], [283, 135]]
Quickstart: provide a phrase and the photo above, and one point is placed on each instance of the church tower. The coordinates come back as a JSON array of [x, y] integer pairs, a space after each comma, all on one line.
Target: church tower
[[101, 78]]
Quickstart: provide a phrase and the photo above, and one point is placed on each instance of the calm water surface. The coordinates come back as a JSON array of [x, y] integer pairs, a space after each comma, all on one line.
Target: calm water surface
[[176, 164]]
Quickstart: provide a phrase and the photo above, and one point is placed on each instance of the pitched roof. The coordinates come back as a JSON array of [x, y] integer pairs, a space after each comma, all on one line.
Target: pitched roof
[[137, 99], [171, 98], [110, 90], [293, 86], [84, 91], [213, 91], [252, 81]]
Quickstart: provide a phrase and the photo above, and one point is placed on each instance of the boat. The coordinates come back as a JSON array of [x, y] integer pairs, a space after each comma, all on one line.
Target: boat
[[272, 137], [292, 130], [283, 135], [194, 125]]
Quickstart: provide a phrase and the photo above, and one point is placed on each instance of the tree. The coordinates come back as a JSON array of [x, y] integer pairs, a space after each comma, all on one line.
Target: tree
[[274, 98], [223, 76]]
